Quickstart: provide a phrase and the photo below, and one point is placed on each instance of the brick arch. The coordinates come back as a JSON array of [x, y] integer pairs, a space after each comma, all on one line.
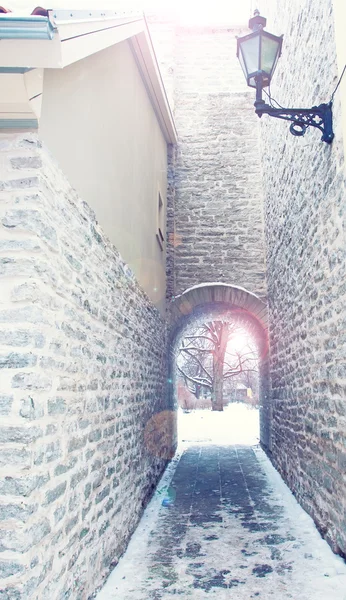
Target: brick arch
[[210, 300], [184, 307]]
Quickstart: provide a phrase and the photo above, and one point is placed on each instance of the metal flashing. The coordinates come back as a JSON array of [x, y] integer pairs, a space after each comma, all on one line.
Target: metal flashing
[[145, 57], [16, 70], [65, 16], [18, 124], [26, 28]]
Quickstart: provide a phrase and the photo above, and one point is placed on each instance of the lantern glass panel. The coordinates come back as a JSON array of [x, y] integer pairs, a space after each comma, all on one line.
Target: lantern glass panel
[[270, 54], [250, 52], [242, 64]]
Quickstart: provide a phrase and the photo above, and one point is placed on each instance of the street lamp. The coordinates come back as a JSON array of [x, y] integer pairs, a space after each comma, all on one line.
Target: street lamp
[[258, 54]]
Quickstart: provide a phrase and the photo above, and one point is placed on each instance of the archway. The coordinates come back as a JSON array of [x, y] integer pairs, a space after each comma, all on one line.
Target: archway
[[210, 300]]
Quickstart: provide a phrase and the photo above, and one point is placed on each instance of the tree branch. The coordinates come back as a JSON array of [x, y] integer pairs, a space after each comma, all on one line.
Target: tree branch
[[197, 349], [200, 365], [197, 380], [212, 332], [196, 337], [230, 374]]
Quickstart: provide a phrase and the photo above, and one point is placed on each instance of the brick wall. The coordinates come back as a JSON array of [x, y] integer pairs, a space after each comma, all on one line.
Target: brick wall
[[217, 224], [305, 193], [83, 372]]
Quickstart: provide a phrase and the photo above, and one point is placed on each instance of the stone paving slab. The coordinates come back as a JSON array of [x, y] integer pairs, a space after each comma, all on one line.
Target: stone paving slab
[[229, 529]]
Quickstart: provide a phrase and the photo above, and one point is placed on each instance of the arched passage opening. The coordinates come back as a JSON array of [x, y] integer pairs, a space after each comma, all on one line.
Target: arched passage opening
[[212, 301]]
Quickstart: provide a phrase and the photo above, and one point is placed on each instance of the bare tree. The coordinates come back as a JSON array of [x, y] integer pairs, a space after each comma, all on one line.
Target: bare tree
[[207, 358]]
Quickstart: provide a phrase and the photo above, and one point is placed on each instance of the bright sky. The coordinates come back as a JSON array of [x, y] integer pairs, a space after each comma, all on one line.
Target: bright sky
[[190, 11]]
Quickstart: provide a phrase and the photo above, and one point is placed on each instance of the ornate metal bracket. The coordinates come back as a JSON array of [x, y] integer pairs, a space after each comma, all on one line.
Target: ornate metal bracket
[[302, 118]]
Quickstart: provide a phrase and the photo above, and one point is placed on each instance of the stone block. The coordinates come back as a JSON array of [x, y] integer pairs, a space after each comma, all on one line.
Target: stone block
[[56, 406], [77, 443], [26, 162], [34, 221], [5, 404], [21, 435], [71, 524], [22, 486], [18, 512], [31, 381], [31, 409], [21, 337], [78, 477], [55, 493], [18, 457], [63, 468], [59, 513], [21, 540], [9, 568], [53, 451], [103, 494], [14, 360], [27, 314]]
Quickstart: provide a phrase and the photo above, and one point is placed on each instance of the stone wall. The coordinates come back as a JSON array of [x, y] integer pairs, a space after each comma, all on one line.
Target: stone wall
[[83, 387], [217, 234], [305, 208]]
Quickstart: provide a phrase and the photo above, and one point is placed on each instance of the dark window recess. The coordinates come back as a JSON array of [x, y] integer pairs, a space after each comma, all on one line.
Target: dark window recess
[[160, 222]]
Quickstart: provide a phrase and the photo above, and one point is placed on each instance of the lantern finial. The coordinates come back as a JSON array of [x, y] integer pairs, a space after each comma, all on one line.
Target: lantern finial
[[257, 22]]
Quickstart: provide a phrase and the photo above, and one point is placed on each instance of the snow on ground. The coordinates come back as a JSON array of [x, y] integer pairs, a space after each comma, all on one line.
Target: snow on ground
[[237, 424], [305, 568], [323, 572]]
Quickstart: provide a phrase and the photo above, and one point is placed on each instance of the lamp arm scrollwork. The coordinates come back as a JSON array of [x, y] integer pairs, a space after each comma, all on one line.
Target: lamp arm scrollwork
[[302, 118]]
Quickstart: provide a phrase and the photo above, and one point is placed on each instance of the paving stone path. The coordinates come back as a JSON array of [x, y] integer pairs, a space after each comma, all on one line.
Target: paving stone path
[[227, 528]]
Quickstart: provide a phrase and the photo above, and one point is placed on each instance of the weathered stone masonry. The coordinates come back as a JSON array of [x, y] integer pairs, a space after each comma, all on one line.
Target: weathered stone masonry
[[216, 221], [215, 224], [305, 192], [83, 366], [215, 196]]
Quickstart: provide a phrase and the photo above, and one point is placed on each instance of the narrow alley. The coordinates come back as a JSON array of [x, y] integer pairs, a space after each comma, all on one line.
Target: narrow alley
[[173, 300], [223, 525]]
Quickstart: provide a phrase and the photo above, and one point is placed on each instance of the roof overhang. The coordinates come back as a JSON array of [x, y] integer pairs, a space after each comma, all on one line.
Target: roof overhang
[[34, 43]]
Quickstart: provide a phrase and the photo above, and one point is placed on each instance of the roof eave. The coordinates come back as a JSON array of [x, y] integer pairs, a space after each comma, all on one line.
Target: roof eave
[[146, 60], [56, 42]]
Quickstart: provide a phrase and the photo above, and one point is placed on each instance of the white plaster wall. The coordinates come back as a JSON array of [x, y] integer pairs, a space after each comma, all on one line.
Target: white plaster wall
[[99, 123]]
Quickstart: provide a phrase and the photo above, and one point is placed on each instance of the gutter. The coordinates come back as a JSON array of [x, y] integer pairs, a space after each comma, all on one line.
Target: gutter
[[26, 28]]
